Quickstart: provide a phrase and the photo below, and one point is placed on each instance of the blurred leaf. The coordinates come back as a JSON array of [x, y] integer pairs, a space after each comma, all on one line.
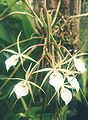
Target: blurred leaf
[[64, 112], [72, 112], [27, 22], [3, 33]]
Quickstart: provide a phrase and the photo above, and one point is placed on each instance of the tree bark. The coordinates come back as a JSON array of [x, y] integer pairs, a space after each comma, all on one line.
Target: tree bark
[[72, 7], [52, 4], [76, 22], [69, 8]]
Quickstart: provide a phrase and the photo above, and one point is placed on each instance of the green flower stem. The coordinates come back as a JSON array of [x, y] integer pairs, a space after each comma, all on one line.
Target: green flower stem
[[49, 28], [33, 13], [56, 14], [84, 82], [84, 96], [24, 104], [56, 45]]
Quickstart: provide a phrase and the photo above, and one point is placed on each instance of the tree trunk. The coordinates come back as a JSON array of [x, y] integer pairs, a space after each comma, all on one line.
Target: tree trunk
[[72, 7], [76, 22], [69, 8], [52, 4]]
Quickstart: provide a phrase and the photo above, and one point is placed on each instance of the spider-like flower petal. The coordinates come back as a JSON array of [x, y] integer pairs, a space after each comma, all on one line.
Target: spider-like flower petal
[[21, 89], [74, 83], [66, 95], [79, 64], [12, 61], [56, 80]]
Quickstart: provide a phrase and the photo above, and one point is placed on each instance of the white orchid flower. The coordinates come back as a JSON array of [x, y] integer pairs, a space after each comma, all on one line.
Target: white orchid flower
[[74, 83], [56, 80], [66, 95], [21, 89], [79, 64], [12, 61]]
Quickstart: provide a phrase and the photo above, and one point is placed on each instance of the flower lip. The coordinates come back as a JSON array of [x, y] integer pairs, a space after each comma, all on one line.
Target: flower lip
[[21, 89], [11, 61], [56, 80], [79, 64], [66, 95], [73, 82]]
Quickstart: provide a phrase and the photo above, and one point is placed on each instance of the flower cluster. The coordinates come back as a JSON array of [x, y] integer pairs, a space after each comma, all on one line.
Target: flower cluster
[[20, 89], [61, 83], [62, 87]]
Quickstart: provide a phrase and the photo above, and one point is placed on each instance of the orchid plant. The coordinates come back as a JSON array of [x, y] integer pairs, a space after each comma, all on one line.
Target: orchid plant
[[62, 79], [60, 67]]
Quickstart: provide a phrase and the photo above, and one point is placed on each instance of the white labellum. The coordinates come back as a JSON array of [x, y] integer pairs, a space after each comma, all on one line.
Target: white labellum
[[12, 61], [21, 89]]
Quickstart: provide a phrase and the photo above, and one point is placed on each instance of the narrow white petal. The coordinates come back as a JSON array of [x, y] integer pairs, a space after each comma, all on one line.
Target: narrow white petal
[[56, 80], [11, 51], [74, 83], [79, 64], [20, 89], [12, 61], [66, 95]]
